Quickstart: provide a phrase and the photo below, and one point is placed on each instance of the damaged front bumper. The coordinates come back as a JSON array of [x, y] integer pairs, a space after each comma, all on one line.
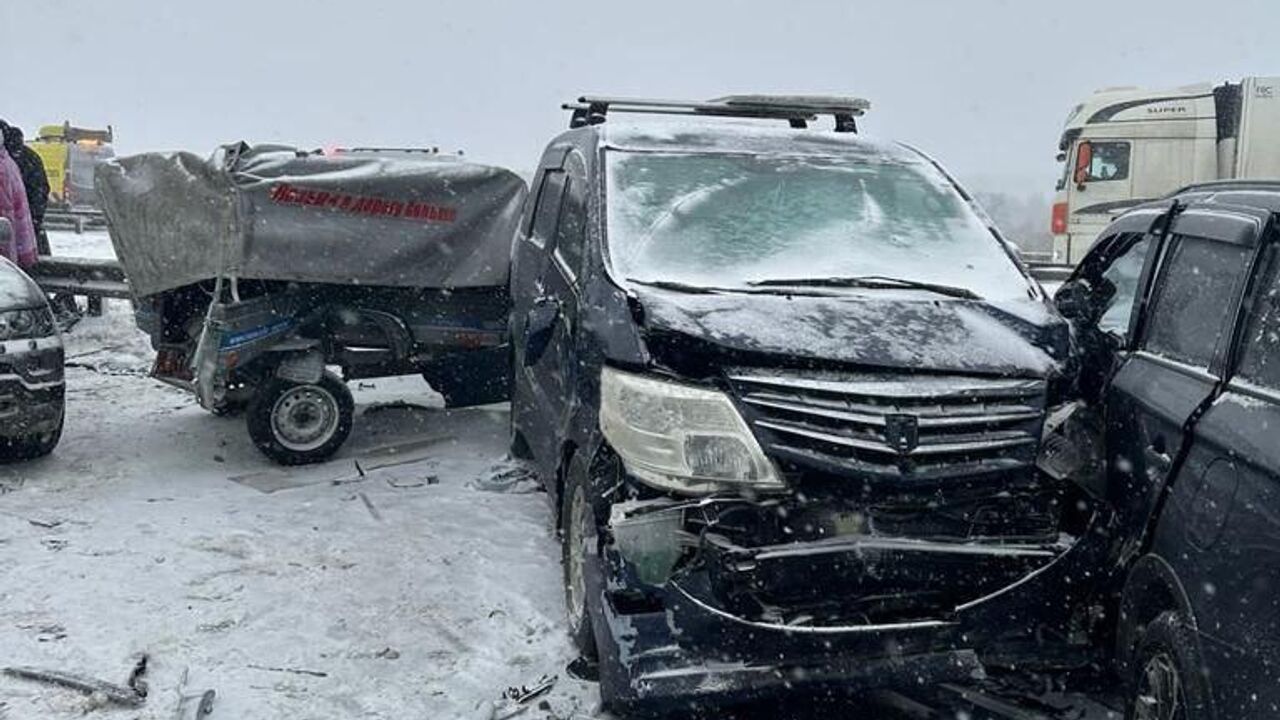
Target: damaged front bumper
[[32, 390], [725, 599]]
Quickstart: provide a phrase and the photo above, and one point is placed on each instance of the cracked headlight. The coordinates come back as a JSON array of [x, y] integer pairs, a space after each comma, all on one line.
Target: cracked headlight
[[679, 438], [26, 324]]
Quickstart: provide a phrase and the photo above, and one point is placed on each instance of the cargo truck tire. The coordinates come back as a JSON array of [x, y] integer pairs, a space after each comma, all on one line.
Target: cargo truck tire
[[30, 447], [298, 424]]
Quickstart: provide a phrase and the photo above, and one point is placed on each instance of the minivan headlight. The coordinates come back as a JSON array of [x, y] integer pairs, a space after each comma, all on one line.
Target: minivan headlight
[[26, 324], [682, 439]]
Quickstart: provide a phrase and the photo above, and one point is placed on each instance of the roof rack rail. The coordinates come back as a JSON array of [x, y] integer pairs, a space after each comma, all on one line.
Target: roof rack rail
[[798, 110]]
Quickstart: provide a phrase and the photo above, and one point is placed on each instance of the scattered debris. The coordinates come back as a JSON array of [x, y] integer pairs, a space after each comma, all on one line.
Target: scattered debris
[[428, 480], [508, 478], [135, 682], [37, 522], [292, 671], [117, 694], [388, 653], [369, 505], [203, 709], [206, 703], [516, 700]]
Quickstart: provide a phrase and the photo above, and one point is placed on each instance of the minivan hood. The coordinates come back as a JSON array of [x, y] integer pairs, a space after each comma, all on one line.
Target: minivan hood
[[891, 329]]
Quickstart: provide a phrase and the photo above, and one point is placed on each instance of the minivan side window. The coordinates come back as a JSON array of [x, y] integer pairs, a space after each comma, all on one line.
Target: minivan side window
[[547, 213], [1123, 274], [571, 233], [1197, 296], [1260, 360]]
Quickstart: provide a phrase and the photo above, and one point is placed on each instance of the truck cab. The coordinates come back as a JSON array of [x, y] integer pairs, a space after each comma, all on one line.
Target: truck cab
[[1126, 146]]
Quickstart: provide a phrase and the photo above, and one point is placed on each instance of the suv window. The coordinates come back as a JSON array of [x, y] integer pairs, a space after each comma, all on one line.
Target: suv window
[[1197, 297], [571, 233], [546, 215], [1260, 362], [1106, 160], [1123, 275]]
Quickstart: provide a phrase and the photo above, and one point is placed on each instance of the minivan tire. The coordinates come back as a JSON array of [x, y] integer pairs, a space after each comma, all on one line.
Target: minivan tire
[[579, 532], [1169, 668], [268, 424]]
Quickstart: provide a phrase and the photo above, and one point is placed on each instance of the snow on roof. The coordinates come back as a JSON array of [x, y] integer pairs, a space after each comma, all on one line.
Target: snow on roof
[[747, 136]]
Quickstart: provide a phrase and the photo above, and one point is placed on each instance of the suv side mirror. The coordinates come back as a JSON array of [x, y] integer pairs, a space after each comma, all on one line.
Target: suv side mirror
[[1074, 300]]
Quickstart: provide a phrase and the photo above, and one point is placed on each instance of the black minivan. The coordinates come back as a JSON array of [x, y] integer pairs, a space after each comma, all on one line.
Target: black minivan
[[786, 388], [1177, 307]]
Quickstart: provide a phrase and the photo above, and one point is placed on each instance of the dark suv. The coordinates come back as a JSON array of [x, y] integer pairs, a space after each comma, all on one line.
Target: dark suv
[[1178, 312], [786, 388]]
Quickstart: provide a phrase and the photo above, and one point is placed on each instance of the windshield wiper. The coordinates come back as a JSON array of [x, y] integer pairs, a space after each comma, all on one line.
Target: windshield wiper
[[677, 286], [713, 290], [869, 281]]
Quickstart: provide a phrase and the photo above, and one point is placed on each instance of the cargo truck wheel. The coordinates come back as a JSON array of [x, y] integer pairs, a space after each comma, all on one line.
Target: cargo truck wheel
[[297, 424], [31, 446]]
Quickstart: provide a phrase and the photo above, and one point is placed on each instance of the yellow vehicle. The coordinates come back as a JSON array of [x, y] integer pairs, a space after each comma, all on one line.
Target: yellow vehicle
[[69, 154]]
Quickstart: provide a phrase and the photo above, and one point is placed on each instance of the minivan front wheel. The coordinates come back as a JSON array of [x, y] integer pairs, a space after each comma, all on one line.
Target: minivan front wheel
[[577, 541], [1169, 682]]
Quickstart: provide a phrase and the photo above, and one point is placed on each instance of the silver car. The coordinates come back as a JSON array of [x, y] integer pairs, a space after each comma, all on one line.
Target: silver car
[[32, 389]]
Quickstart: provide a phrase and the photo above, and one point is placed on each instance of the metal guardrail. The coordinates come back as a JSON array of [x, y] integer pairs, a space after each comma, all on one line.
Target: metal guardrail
[[91, 278], [75, 219]]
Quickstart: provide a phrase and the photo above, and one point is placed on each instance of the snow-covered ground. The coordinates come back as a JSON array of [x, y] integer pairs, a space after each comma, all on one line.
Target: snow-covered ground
[[405, 571]]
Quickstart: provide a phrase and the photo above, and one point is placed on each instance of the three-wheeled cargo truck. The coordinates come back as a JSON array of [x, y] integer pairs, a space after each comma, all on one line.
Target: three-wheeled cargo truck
[[267, 277]]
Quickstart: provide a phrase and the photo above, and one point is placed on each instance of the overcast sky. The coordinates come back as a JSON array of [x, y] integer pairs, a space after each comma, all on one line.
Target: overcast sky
[[982, 84]]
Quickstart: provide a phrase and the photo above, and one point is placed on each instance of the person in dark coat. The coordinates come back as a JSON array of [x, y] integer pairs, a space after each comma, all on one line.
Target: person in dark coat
[[34, 178]]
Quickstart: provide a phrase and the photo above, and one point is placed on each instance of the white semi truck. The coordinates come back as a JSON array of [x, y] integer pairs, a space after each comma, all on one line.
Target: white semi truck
[[1125, 146]]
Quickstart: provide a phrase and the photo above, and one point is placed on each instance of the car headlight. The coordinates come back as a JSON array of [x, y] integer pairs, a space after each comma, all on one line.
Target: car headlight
[[26, 324], [681, 439]]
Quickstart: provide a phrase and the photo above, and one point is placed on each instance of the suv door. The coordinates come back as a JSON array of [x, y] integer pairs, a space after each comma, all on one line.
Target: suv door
[[1159, 389], [1220, 530]]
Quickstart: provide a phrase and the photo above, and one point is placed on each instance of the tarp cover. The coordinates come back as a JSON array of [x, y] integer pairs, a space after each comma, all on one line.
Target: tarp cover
[[389, 218]]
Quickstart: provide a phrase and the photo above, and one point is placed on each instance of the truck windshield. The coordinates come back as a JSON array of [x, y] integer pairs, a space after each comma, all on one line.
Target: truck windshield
[[728, 220]]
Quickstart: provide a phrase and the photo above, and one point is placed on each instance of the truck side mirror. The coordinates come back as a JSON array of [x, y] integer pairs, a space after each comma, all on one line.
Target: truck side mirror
[[1084, 158], [1074, 300]]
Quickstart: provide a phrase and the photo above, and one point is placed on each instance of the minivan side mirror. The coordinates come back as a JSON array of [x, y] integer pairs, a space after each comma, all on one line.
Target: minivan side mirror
[[1074, 300]]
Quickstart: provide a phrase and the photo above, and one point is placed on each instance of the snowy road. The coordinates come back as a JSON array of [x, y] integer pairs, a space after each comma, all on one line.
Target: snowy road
[[414, 590]]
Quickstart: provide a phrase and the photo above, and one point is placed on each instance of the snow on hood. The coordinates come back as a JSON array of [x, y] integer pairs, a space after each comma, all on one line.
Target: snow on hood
[[16, 289], [897, 331]]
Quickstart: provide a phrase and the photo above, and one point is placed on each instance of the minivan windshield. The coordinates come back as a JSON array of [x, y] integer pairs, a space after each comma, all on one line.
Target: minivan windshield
[[732, 220]]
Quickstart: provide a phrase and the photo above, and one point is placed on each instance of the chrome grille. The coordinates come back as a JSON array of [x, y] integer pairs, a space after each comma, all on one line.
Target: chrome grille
[[896, 425]]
